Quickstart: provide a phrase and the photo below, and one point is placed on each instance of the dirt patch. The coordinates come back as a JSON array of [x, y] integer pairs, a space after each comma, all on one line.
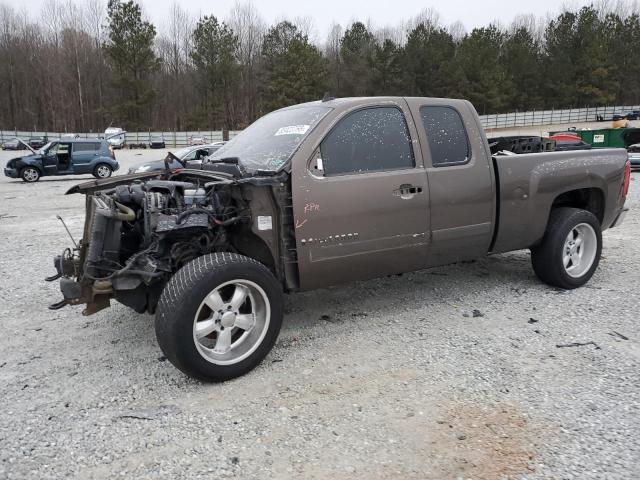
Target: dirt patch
[[485, 443]]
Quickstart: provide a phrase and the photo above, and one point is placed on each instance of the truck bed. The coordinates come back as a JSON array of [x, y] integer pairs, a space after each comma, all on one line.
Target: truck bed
[[530, 184]]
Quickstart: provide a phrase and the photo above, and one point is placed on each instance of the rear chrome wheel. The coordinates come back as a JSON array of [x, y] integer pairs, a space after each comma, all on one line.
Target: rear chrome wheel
[[580, 248], [231, 322], [102, 171], [569, 253]]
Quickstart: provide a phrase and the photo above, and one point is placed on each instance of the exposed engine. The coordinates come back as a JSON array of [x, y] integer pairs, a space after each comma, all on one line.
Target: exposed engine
[[137, 234]]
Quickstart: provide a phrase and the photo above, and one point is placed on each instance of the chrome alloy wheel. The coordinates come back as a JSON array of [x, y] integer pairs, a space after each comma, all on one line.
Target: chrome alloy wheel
[[579, 251], [231, 322], [31, 174], [103, 171]]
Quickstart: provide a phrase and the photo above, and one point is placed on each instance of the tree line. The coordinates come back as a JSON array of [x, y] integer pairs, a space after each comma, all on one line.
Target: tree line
[[82, 65]]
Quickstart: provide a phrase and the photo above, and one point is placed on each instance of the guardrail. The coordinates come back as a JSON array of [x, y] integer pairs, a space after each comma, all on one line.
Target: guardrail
[[554, 117], [499, 120], [172, 139]]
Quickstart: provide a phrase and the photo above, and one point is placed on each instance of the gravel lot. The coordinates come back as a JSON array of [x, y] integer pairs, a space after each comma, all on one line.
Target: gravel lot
[[449, 373]]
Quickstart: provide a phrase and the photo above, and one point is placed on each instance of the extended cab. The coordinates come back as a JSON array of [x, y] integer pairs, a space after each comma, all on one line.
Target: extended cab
[[322, 193]]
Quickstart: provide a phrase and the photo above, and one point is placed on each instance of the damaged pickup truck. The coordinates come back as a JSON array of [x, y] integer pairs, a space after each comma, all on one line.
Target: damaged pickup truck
[[322, 193]]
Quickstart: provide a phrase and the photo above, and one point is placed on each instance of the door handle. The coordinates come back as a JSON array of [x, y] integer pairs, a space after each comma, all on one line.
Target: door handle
[[407, 191]]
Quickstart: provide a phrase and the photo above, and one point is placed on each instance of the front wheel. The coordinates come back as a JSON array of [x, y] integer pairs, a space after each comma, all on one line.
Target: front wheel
[[30, 174], [102, 170], [219, 316], [570, 250]]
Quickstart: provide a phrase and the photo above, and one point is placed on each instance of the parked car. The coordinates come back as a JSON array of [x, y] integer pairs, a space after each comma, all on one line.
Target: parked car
[[193, 156], [197, 140], [633, 115], [37, 142], [325, 193], [115, 137], [634, 156], [156, 141], [65, 157], [14, 144]]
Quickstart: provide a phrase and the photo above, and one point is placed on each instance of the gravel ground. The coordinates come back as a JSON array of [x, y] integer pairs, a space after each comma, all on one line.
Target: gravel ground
[[449, 373]]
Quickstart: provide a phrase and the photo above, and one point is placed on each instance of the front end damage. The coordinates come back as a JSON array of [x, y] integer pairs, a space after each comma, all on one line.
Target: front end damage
[[141, 229]]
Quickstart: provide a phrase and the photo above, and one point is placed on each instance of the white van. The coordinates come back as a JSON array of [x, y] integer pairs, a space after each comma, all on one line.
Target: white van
[[116, 141]]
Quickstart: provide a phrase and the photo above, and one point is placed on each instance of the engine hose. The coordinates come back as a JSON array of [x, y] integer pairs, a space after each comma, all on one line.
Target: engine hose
[[125, 214], [228, 222]]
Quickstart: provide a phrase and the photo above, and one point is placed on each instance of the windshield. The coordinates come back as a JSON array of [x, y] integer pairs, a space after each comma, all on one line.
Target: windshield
[[44, 149], [182, 152], [270, 141]]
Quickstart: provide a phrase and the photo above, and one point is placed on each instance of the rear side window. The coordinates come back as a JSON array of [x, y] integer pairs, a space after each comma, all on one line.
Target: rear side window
[[447, 137], [369, 140], [86, 146]]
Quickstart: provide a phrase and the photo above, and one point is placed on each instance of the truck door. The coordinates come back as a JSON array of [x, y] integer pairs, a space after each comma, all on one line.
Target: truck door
[[461, 180], [361, 204]]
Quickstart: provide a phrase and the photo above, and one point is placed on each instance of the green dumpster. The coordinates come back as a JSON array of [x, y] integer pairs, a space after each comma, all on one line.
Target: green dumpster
[[609, 137]]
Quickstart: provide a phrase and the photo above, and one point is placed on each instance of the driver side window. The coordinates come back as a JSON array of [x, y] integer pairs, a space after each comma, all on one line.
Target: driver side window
[[370, 140], [53, 149]]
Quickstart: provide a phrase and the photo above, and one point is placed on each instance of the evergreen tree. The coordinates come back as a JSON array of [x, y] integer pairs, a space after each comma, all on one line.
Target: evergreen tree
[[387, 72], [129, 49], [430, 63], [486, 83], [622, 44], [214, 56], [577, 69], [356, 50], [295, 70], [521, 60]]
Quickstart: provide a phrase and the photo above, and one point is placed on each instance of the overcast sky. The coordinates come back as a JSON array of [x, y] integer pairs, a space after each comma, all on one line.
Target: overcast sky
[[380, 12]]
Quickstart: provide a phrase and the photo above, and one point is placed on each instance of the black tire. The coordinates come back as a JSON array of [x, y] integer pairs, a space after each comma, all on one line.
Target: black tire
[[102, 167], [182, 298], [30, 174], [547, 257]]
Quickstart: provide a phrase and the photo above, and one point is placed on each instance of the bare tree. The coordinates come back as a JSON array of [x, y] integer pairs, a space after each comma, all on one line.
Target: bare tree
[[9, 33], [457, 30], [332, 52], [249, 27]]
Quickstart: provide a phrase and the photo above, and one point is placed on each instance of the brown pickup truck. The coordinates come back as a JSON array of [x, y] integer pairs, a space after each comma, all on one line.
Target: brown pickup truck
[[321, 193]]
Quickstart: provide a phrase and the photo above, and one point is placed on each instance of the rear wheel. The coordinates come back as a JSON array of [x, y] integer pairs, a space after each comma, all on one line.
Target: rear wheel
[[102, 170], [30, 174], [219, 316], [570, 250]]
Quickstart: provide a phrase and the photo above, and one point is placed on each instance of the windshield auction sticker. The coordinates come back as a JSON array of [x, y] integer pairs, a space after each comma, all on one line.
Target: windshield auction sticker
[[292, 130]]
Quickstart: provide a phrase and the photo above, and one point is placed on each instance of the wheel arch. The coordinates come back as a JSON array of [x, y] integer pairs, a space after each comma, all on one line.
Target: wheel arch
[[591, 199], [30, 165], [251, 245]]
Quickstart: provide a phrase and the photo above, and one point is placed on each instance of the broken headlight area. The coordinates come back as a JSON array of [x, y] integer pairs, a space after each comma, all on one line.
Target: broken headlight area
[[136, 235]]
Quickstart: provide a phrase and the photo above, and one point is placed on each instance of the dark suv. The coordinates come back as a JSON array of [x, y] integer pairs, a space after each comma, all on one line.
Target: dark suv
[[65, 157]]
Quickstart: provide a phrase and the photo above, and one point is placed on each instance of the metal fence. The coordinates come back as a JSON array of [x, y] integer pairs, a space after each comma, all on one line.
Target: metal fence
[[172, 139], [553, 117], [500, 120]]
